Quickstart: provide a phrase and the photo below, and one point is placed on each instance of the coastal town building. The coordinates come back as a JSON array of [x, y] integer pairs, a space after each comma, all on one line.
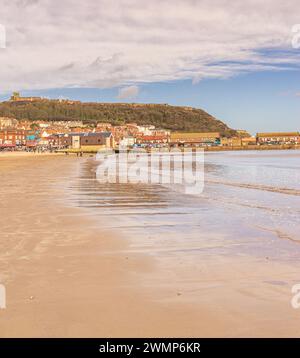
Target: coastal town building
[[69, 124], [11, 137], [105, 139], [238, 141], [6, 122], [103, 126], [231, 142], [127, 141], [146, 129], [197, 139], [24, 124], [277, 138], [79, 140], [248, 141], [149, 140]]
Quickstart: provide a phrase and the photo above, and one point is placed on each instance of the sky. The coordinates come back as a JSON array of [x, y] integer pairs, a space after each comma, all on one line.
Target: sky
[[238, 60]]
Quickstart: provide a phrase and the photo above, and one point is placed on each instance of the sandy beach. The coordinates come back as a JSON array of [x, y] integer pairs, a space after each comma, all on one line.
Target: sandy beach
[[67, 275]]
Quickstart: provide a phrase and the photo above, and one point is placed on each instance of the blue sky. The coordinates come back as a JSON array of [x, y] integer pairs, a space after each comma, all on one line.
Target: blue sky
[[238, 60], [262, 101]]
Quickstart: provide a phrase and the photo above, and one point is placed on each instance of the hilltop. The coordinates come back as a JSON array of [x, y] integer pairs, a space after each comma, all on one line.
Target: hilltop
[[165, 116]]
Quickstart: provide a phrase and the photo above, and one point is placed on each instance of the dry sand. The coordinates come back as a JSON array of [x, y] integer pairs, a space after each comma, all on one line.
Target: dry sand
[[66, 277]]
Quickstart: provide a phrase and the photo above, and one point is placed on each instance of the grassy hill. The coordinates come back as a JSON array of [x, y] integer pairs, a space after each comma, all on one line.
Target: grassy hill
[[161, 115]]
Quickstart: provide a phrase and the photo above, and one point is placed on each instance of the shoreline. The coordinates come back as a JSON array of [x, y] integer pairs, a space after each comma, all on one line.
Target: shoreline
[[62, 152], [24, 154]]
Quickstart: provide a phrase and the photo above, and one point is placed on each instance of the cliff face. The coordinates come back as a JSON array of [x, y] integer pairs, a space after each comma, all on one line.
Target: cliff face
[[161, 115]]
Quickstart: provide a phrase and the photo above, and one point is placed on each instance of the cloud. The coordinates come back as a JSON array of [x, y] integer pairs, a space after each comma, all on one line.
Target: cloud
[[100, 43], [128, 92]]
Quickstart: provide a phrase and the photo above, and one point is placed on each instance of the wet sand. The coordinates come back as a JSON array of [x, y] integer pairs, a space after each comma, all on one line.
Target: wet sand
[[66, 275]]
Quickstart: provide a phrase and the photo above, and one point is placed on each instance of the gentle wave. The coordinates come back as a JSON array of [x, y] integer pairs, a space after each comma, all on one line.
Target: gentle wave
[[288, 191]]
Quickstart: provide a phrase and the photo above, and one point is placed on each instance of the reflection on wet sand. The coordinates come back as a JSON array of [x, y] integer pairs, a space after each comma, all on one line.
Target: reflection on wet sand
[[231, 206]]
